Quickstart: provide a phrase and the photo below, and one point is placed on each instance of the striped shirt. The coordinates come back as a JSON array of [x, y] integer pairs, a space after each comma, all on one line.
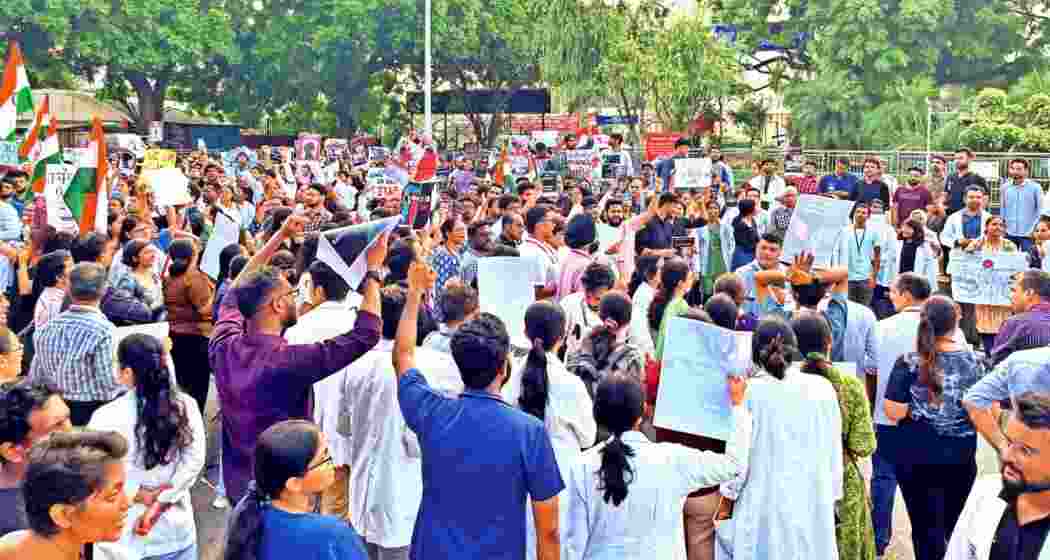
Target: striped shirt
[[75, 354], [48, 306]]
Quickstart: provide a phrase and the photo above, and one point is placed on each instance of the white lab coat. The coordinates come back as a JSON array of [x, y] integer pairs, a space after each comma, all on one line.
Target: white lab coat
[[640, 333], [386, 472], [975, 531], [953, 230], [648, 523], [569, 419], [328, 320], [786, 494], [176, 529]]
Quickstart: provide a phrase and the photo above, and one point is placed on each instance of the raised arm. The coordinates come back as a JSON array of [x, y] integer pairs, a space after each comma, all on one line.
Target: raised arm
[[421, 278], [291, 226]]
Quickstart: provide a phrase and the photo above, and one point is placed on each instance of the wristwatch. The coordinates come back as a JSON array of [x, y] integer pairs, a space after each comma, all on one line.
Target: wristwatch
[[374, 275]]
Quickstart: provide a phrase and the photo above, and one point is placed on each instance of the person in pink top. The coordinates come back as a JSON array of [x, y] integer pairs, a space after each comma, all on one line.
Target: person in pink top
[[580, 235]]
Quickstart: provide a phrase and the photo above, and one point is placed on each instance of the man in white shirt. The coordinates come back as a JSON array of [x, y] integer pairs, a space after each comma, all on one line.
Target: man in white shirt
[[616, 148], [538, 249], [386, 480], [768, 183], [897, 336], [326, 321], [1006, 517]]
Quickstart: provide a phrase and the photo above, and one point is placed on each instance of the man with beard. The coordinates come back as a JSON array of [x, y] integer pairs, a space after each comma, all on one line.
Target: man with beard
[[1009, 518], [23, 194], [479, 245], [263, 380], [938, 172], [313, 208], [513, 230], [958, 183], [10, 217]]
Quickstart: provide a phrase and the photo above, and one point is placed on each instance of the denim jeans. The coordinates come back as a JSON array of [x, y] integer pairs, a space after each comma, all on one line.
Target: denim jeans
[[883, 493]]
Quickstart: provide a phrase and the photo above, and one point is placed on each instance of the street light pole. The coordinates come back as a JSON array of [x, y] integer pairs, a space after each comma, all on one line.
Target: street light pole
[[428, 117]]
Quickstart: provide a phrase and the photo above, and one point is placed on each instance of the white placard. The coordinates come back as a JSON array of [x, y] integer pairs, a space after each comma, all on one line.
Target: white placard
[[170, 186], [816, 226], [984, 278], [226, 232], [607, 237], [57, 179], [698, 359], [505, 289], [987, 169], [9, 154], [692, 173], [582, 163]]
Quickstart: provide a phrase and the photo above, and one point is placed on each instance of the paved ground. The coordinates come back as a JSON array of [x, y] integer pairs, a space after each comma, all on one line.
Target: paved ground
[[211, 522]]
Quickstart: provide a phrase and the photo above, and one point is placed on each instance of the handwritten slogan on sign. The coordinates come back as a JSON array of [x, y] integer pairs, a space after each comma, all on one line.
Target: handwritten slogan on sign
[[985, 278], [57, 179], [581, 163], [9, 154], [159, 159], [816, 227]]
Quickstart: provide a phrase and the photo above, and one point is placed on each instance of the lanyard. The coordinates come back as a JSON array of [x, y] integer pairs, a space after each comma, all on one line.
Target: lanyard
[[860, 242]]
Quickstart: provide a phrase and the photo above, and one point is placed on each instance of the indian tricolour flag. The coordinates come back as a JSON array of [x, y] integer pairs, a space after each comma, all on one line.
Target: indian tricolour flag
[[44, 149], [15, 95], [86, 195]]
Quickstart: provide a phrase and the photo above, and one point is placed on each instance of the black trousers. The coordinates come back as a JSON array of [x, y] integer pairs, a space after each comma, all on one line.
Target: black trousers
[[935, 496], [192, 370]]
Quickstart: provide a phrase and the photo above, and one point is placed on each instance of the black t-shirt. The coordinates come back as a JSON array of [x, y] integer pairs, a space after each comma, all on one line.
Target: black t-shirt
[[956, 187], [12, 511], [655, 235], [1014, 542]]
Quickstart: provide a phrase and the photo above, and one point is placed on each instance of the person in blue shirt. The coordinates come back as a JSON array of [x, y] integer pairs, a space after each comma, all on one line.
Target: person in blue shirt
[[275, 519], [841, 182], [482, 458], [665, 169]]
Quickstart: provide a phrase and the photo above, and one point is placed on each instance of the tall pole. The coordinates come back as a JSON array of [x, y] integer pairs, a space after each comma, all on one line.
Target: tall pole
[[929, 132], [428, 117]]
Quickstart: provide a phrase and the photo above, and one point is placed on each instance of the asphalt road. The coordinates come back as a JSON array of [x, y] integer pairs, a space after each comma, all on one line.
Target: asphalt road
[[211, 522]]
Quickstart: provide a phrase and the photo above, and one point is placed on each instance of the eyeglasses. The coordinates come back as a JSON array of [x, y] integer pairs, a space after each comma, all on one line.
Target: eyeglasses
[[324, 462]]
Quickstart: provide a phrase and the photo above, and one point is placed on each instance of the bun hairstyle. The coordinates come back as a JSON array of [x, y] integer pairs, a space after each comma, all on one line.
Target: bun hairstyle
[[619, 402], [773, 346], [674, 272], [645, 267], [545, 326], [938, 318], [282, 452], [181, 253], [812, 333]]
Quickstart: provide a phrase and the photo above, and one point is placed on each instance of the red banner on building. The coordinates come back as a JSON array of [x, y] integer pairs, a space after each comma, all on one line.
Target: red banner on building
[[660, 144], [561, 122]]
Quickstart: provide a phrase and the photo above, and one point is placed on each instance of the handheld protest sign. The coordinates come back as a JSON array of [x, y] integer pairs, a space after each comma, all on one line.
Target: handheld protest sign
[[344, 249]]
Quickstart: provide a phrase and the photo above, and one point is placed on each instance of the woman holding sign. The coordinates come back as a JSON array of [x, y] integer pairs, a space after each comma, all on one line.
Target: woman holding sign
[[991, 317], [626, 495]]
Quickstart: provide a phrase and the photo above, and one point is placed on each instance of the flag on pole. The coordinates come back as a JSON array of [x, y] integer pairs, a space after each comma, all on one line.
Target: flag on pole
[[46, 151], [31, 143], [86, 196], [15, 95]]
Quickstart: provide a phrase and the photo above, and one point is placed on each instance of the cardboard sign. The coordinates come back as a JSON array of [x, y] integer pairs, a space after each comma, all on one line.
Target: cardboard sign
[[387, 191], [698, 359], [378, 153], [548, 138], [692, 173], [57, 179], [987, 169], [308, 147], [170, 186], [336, 148], [156, 131], [660, 145], [159, 159], [816, 226], [9, 154], [984, 278], [582, 163]]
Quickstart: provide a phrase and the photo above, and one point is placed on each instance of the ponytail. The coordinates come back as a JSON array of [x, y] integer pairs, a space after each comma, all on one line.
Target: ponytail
[[619, 402], [773, 345], [644, 268], [616, 472], [545, 327], [244, 531], [938, 319], [162, 427], [535, 383], [673, 273]]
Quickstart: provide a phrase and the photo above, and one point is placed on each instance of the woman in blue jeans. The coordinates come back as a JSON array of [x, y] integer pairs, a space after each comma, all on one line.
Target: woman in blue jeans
[[933, 449]]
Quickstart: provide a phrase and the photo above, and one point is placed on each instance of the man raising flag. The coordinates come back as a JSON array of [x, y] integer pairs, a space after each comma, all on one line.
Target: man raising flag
[[15, 95], [86, 196]]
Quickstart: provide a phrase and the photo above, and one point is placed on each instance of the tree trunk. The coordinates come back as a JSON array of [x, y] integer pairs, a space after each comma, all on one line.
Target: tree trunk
[[151, 96]]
